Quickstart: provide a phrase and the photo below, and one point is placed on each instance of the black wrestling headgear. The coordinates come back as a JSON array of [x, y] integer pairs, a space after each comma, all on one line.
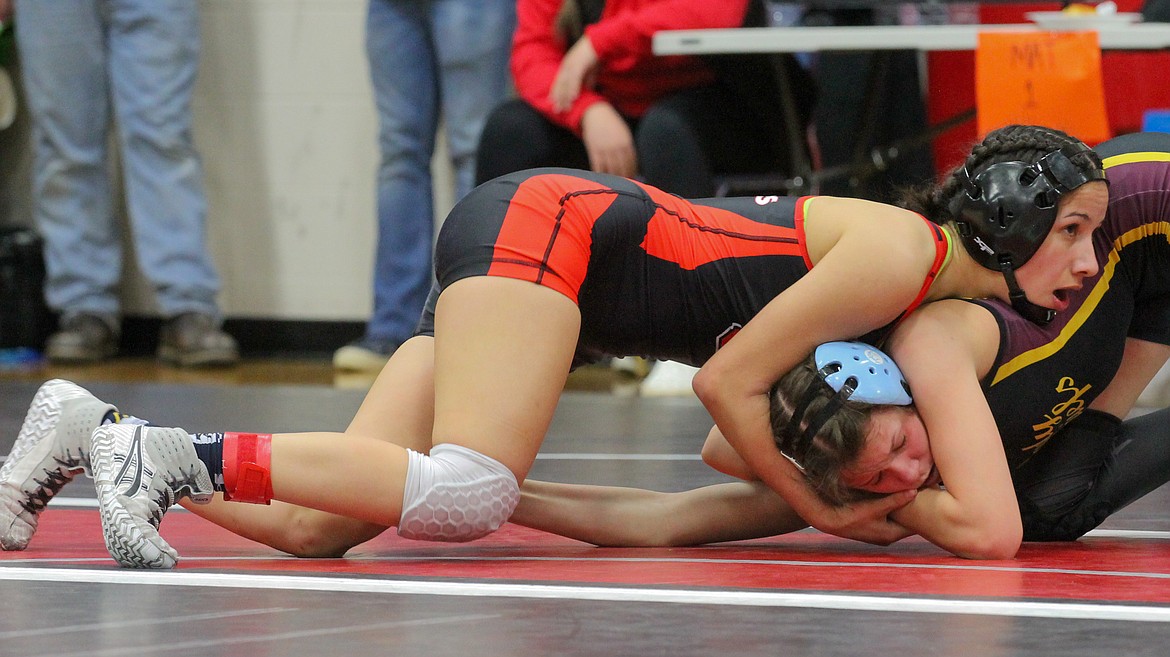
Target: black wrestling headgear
[[1005, 212]]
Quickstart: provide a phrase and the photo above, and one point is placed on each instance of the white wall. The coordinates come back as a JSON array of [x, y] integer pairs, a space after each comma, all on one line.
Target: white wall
[[285, 123]]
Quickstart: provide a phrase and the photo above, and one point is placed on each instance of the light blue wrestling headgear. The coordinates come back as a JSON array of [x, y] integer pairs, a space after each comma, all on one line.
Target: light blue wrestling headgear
[[862, 372], [850, 371]]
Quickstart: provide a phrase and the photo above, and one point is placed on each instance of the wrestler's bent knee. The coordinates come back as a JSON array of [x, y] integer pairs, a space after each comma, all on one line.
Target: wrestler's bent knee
[[1068, 525], [456, 494]]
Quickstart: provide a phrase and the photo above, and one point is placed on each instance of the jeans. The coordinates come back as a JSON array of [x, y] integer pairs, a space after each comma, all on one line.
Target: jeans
[[427, 58], [86, 64]]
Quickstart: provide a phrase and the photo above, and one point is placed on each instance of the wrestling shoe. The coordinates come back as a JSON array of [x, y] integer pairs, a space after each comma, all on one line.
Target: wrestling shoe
[[140, 472], [52, 447]]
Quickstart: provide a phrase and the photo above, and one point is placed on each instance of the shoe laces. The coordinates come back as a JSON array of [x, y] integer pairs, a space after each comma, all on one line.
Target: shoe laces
[[167, 495], [55, 479], [160, 505], [70, 461], [188, 477], [46, 489]]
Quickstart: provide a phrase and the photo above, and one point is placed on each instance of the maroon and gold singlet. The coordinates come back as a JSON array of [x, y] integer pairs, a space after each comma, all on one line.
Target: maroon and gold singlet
[[1046, 376]]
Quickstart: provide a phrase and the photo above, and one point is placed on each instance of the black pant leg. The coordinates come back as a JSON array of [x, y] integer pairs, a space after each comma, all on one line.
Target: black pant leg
[[1072, 490], [686, 139], [517, 137]]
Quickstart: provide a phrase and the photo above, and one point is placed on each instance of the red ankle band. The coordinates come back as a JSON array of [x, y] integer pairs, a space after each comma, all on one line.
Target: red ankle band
[[247, 466]]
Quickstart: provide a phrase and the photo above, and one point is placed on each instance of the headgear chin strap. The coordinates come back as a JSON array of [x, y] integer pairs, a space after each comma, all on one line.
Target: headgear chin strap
[[1007, 210], [848, 370], [1033, 312]]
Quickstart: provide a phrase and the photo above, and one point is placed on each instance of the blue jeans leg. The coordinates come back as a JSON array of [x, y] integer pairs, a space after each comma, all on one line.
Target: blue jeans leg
[[425, 55], [473, 73], [64, 65], [153, 61], [82, 61], [403, 74]]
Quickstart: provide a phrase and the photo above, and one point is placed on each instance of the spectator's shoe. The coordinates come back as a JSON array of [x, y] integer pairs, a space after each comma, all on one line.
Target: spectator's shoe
[[668, 379], [196, 340], [365, 355], [631, 367], [83, 338], [139, 473], [51, 448]]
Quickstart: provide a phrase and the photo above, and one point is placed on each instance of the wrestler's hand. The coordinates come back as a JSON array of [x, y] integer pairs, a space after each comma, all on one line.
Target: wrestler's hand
[[865, 520], [608, 141], [5, 11], [578, 69]]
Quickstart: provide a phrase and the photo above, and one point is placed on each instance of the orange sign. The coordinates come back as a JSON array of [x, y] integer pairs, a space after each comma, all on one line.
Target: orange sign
[[1042, 78]]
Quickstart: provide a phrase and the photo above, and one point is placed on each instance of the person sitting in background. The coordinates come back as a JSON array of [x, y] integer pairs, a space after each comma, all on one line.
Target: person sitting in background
[[592, 95], [87, 66]]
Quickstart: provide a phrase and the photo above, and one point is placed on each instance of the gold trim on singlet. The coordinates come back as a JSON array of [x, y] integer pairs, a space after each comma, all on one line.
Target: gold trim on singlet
[[1078, 319], [1145, 230], [1126, 158], [950, 252]]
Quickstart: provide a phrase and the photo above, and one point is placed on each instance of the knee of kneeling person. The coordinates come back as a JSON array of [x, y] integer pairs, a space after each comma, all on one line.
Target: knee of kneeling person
[[310, 534], [1041, 525], [456, 494]]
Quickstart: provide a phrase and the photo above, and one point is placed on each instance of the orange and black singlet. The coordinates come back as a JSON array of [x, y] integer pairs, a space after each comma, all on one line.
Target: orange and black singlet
[[653, 274]]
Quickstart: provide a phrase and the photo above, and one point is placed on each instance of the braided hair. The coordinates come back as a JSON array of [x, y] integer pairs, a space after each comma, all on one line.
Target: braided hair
[[837, 444], [1012, 143]]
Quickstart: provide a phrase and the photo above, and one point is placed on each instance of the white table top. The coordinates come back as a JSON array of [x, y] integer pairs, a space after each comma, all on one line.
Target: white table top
[[1142, 36]]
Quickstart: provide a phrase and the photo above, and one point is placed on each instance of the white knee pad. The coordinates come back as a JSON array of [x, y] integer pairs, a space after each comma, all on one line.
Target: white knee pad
[[455, 494]]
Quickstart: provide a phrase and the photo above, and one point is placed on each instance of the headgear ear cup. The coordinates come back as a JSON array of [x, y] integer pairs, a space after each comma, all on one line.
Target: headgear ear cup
[[850, 371], [877, 378], [1006, 211]]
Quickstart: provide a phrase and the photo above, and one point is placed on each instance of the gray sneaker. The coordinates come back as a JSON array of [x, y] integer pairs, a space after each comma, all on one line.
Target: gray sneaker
[[51, 448], [139, 473], [196, 340], [83, 338]]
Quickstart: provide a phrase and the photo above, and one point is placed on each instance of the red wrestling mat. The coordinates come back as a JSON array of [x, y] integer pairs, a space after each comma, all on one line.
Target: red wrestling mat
[[1133, 570]]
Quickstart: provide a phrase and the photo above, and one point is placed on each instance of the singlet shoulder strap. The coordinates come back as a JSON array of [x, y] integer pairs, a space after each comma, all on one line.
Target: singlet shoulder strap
[[802, 206], [943, 249]]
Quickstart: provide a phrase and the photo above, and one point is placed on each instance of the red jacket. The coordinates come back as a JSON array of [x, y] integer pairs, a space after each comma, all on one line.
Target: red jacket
[[629, 77]]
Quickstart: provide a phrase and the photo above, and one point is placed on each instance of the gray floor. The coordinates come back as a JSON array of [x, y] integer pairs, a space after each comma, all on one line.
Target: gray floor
[[290, 623], [77, 610]]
